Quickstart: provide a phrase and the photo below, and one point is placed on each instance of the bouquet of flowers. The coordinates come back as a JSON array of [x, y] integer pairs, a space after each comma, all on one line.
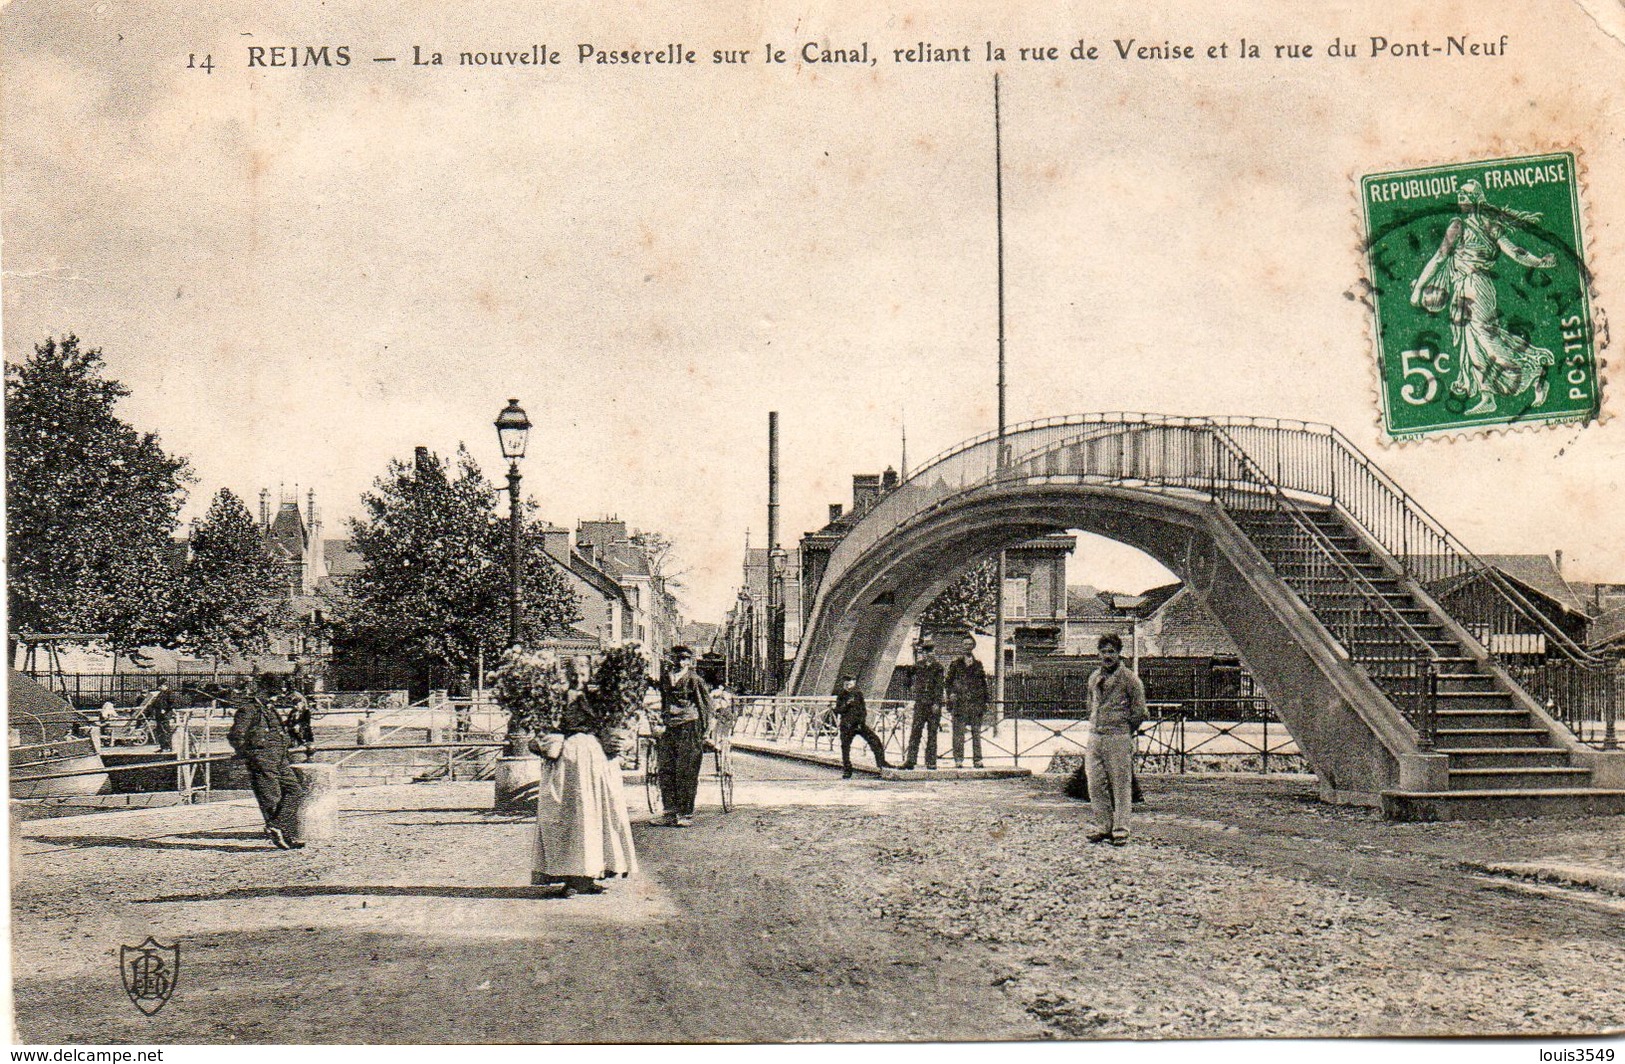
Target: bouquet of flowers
[[619, 683], [531, 686]]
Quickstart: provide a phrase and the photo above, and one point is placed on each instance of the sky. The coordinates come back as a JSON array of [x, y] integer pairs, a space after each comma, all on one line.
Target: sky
[[302, 273]]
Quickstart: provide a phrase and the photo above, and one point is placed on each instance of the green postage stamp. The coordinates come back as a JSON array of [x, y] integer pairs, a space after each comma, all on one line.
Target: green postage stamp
[[1481, 296]]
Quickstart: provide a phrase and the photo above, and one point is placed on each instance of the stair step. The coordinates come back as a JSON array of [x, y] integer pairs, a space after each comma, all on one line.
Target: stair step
[[1469, 685], [1507, 757], [1482, 718], [1517, 779], [1448, 739], [1496, 804], [1475, 701]]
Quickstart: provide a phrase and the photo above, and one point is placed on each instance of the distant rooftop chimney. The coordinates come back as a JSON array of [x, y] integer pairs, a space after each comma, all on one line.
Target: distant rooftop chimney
[[1557, 559], [265, 508], [888, 479], [420, 460], [865, 492]]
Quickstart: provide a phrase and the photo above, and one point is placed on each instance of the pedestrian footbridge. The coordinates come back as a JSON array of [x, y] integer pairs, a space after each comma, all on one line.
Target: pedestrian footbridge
[[1410, 673]]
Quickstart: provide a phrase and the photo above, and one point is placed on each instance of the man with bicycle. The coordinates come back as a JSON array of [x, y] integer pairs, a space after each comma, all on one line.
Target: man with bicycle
[[685, 718]]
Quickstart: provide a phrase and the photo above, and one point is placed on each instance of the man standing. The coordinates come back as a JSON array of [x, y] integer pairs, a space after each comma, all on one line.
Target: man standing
[[927, 692], [854, 718], [301, 731], [966, 685], [159, 709], [260, 738], [1116, 711], [686, 711]]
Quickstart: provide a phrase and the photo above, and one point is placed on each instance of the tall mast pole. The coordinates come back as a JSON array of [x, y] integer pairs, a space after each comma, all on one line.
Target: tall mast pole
[[775, 562], [998, 599]]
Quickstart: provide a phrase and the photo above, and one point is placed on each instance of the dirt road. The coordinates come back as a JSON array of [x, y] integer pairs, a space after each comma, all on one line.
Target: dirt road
[[820, 910]]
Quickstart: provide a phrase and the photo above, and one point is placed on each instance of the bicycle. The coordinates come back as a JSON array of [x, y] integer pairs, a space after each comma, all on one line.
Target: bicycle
[[722, 764]]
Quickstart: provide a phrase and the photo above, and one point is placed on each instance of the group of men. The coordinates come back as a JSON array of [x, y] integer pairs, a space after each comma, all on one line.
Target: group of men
[[960, 687], [1116, 711]]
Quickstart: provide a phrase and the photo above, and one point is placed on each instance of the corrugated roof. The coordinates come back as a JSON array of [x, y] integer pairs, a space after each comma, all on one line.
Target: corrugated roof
[[1084, 602], [341, 559]]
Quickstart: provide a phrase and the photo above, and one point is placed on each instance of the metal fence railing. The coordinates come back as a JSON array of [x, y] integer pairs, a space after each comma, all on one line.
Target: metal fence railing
[[1222, 734]]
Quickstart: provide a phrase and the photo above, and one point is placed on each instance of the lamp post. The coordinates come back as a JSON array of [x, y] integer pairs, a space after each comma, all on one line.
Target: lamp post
[[513, 429]]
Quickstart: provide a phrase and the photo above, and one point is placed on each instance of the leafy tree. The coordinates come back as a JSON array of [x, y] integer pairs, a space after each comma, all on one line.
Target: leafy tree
[[968, 603], [91, 503], [230, 599], [433, 583]]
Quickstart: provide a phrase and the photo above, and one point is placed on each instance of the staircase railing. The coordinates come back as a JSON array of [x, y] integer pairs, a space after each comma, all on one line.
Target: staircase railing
[[1393, 652], [1576, 685], [1199, 454]]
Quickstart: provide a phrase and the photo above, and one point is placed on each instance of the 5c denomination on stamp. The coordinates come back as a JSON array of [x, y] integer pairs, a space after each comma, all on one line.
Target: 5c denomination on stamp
[[1481, 296]]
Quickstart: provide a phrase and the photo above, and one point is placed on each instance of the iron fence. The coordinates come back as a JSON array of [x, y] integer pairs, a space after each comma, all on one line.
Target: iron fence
[[1228, 734]]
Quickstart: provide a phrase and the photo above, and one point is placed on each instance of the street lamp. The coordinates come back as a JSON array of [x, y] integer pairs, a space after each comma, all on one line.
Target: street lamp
[[513, 430]]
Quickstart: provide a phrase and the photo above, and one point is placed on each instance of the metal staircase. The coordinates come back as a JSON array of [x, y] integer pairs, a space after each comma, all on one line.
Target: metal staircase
[[1502, 760]]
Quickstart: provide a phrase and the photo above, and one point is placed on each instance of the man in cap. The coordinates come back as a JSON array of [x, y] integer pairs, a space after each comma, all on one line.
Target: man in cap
[[260, 738], [685, 702], [926, 690], [1116, 711], [853, 713]]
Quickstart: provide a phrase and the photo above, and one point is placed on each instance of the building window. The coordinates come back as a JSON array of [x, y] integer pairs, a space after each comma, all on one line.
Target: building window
[[1015, 599]]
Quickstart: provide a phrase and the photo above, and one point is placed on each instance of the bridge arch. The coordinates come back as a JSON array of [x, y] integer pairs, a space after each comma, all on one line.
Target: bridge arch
[[882, 596], [1356, 612]]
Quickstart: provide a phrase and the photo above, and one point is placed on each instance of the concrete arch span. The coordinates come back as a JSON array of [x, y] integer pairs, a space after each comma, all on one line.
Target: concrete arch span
[[1355, 740], [868, 616]]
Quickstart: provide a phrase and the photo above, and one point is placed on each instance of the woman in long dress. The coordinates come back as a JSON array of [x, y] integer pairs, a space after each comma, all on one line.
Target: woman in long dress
[[582, 830], [1492, 360]]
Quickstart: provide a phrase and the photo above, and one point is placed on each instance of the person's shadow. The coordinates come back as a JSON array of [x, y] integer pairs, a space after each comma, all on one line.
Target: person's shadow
[[255, 839]]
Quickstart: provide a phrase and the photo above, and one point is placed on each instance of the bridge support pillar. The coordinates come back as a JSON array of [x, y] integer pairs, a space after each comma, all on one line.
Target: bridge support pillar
[[1424, 772], [1607, 767]]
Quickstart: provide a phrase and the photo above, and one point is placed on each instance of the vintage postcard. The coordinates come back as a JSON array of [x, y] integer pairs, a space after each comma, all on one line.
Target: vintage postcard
[[839, 523]]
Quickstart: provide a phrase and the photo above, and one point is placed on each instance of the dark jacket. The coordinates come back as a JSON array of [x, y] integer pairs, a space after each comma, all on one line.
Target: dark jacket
[[163, 706], [967, 685], [927, 686], [685, 700], [849, 705], [257, 727]]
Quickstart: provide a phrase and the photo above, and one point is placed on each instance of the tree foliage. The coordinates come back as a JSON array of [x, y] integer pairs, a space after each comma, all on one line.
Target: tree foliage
[[230, 597], [91, 503], [434, 579], [968, 603]]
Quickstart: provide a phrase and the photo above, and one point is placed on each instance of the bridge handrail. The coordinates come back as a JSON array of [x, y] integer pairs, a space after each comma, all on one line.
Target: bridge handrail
[[1308, 459], [1455, 558], [1454, 547], [1416, 705]]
